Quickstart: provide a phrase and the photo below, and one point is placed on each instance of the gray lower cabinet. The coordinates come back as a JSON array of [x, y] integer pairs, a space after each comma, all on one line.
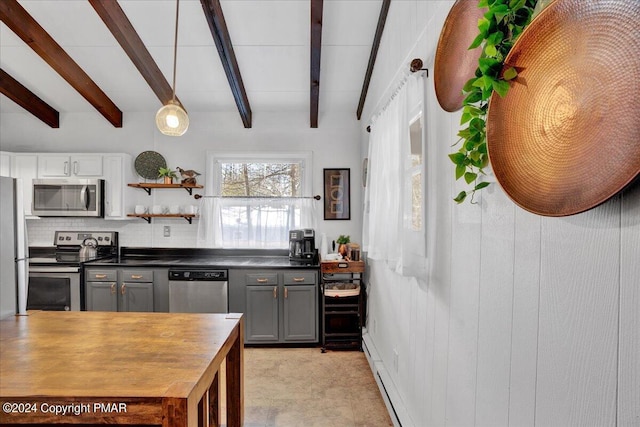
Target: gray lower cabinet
[[119, 289], [281, 307], [300, 313], [262, 314]]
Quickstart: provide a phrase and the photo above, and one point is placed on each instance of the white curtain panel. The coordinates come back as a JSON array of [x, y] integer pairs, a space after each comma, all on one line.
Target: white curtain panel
[[383, 198], [388, 235], [252, 222]]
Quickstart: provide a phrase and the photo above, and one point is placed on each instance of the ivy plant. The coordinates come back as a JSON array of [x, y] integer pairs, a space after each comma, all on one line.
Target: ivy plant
[[498, 29]]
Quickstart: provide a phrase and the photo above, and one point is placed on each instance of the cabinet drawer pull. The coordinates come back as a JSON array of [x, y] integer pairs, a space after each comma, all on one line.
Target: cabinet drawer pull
[[298, 279], [122, 289], [286, 293], [66, 168], [100, 276], [275, 292], [262, 280], [113, 289], [136, 276]]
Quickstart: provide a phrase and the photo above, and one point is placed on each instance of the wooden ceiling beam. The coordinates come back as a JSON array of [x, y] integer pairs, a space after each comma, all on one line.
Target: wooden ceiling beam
[[316, 47], [25, 27], [28, 100], [218, 27], [382, 19], [117, 22]]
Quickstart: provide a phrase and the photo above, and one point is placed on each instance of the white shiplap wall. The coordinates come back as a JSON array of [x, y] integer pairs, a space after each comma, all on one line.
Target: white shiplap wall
[[525, 320]]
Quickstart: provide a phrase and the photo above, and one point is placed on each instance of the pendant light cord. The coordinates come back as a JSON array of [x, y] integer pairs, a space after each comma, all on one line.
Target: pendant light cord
[[175, 51]]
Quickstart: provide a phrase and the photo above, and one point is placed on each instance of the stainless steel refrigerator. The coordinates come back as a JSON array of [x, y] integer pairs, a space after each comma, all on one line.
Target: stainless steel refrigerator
[[14, 265]]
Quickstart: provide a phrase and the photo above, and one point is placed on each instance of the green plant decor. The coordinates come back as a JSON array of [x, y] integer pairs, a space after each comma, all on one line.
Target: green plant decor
[[343, 240], [166, 172], [501, 25]]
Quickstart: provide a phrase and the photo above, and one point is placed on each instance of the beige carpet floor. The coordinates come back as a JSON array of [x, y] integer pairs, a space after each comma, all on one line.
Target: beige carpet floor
[[291, 387]]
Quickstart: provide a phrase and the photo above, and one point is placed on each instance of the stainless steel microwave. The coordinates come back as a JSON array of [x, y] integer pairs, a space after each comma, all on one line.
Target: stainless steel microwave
[[68, 197]]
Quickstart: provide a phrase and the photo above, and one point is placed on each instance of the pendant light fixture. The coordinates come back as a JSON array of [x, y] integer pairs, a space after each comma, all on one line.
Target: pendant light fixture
[[172, 119]]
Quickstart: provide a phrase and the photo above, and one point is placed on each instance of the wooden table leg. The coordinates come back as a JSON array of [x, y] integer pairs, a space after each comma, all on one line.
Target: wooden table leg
[[214, 402], [235, 380], [203, 410], [174, 412]]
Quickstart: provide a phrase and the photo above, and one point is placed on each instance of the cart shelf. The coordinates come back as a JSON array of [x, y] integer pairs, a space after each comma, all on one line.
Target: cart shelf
[[342, 304]]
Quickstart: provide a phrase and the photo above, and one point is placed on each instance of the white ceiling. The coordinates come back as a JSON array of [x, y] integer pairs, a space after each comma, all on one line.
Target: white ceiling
[[271, 41]]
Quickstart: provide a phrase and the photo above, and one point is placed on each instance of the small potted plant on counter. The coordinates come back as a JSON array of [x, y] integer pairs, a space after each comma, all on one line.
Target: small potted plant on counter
[[167, 174], [342, 242]]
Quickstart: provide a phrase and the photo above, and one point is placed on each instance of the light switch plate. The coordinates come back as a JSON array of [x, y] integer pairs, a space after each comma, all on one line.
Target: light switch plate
[[167, 231]]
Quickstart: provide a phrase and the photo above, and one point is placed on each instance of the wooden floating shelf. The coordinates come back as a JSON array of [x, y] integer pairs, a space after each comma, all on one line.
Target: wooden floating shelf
[[147, 217], [148, 186]]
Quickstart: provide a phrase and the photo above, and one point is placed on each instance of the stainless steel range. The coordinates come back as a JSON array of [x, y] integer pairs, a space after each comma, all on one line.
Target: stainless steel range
[[54, 273]]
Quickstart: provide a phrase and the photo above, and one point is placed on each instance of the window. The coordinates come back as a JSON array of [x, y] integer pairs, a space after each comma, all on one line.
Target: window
[[414, 172], [414, 234], [260, 179], [256, 199]]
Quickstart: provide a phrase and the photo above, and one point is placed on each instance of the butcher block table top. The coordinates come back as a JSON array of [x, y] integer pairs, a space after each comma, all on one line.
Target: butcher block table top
[[126, 368]]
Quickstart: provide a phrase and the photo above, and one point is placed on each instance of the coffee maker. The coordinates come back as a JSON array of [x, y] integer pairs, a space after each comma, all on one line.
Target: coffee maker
[[302, 245]]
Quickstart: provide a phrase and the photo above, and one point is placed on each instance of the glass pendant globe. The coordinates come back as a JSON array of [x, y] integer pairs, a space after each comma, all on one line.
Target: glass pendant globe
[[172, 120]]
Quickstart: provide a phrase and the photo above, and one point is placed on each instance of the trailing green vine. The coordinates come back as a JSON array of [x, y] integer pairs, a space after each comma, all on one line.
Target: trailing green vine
[[501, 25]]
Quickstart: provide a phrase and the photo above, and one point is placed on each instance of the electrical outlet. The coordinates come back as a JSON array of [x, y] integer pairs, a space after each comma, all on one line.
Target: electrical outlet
[[395, 360], [167, 231]]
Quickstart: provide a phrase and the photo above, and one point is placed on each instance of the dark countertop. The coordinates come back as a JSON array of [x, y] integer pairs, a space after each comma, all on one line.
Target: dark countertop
[[194, 262], [195, 258]]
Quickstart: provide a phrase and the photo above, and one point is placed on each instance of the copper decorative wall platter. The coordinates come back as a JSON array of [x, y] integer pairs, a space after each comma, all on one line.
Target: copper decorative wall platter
[[566, 137], [454, 63]]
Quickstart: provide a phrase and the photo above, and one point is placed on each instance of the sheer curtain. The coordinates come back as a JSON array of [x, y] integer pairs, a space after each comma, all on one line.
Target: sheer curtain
[[252, 222], [383, 222]]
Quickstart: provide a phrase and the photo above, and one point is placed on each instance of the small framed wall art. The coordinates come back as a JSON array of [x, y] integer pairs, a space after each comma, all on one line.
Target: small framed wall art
[[337, 194]]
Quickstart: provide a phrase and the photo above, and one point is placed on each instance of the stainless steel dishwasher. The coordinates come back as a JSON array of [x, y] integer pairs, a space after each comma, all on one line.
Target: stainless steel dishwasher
[[198, 290]]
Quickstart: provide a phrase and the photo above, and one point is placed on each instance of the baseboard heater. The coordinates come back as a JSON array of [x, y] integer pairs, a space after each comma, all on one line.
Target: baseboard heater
[[378, 370], [396, 420]]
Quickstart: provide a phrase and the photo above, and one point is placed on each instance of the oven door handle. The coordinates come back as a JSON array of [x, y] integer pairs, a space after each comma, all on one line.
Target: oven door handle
[[44, 269]]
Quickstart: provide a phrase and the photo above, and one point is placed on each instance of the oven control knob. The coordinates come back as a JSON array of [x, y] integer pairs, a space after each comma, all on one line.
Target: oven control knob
[[99, 239], [60, 238], [67, 238], [106, 239]]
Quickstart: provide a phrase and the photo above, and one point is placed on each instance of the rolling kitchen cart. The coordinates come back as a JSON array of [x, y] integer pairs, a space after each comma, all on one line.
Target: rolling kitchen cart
[[342, 288]]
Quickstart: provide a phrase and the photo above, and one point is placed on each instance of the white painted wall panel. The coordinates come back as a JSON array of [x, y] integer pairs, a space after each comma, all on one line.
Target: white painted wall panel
[[629, 342], [423, 356], [524, 328], [417, 346], [495, 308], [463, 315], [440, 368], [578, 336]]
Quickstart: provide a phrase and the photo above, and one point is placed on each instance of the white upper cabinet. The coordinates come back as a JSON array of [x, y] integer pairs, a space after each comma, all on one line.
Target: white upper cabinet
[[118, 170], [65, 165]]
